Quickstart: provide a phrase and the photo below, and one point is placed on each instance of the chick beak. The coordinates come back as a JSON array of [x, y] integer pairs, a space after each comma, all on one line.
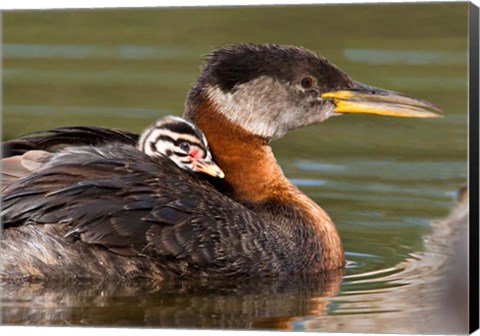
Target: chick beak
[[362, 98], [208, 167]]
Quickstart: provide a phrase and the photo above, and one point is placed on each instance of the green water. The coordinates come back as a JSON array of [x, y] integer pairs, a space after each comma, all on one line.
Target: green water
[[382, 180]]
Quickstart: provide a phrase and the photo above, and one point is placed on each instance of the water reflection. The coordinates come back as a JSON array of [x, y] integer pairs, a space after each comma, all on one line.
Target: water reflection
[[421, 294], [255, 303]]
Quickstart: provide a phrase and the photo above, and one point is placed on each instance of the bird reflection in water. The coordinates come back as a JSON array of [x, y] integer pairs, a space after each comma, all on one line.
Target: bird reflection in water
[[258, 303]]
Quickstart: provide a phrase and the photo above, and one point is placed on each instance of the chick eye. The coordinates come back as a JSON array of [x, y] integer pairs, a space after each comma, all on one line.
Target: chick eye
[[185, 146], [307, 82]]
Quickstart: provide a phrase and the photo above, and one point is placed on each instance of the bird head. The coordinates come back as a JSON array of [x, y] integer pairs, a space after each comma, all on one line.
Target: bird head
[[271, 89], [180, 141]]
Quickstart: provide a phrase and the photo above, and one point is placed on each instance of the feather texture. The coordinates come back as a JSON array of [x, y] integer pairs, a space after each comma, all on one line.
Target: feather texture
[[142, 208]]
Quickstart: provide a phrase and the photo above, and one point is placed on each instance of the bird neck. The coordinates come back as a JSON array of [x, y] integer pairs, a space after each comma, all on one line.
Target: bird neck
[[251, 171], [253, 178]]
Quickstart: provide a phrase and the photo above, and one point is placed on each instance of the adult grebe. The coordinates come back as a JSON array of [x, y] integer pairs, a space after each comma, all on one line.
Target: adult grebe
[[108, 210]]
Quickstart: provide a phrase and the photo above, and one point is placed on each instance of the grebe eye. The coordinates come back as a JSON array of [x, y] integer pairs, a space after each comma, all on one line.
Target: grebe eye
[[307, 82], [185, 146]]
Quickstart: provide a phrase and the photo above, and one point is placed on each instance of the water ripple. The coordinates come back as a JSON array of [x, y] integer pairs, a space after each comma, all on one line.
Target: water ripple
[[411, 57], [124, 112], [87, 51]]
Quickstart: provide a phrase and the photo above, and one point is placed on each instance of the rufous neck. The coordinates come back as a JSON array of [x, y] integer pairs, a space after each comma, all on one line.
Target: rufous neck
[[249, 165], [254, 178]]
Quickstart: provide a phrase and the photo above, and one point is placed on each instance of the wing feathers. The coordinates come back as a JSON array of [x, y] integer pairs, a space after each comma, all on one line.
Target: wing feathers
[[120, 199]]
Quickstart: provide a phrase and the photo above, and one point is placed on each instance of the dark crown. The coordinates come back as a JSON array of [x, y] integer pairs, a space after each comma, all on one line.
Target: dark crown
[[237, 64]]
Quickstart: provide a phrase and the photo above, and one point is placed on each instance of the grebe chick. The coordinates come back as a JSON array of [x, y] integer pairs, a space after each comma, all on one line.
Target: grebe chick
[[173, 137], [180, 141]]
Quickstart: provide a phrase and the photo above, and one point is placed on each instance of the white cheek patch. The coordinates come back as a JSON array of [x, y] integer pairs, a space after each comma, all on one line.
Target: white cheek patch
[[163, 147], [255, 112]]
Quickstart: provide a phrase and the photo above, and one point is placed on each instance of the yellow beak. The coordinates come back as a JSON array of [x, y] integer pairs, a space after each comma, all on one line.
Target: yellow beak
[[208, 167], [363, 98]]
